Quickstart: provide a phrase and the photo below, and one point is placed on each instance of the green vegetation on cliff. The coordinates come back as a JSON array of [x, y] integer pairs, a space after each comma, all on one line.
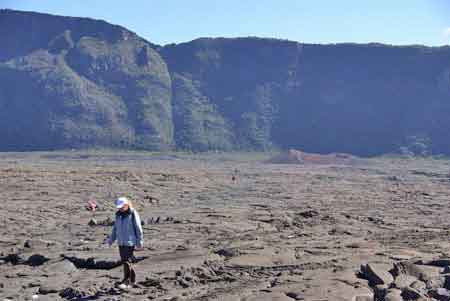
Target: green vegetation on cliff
[[72, 82], [79, 83]]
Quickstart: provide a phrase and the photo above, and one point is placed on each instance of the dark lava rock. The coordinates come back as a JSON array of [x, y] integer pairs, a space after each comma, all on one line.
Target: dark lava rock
[[182, 248], [184, 283], [93, 263], [227, 252], [376, 274], [295, 295], [15, 258], [408, 280], [97, 263], [380, 291], [71, 293], [151, 282], [32, 260], [107, 222], [36, 260], [204, 272], [308, 214], [409, 293]]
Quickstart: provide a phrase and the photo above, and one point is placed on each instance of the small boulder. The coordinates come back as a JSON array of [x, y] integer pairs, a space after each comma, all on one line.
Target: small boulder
[[377, 274], [422, 272], [410, 293], [403, 280]]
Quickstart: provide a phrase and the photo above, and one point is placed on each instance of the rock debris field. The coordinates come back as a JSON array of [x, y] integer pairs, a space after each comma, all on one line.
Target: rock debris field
[[225, 227]]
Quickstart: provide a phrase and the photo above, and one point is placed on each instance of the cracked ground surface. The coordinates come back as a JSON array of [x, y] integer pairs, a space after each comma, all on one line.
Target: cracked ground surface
[[275, 232]]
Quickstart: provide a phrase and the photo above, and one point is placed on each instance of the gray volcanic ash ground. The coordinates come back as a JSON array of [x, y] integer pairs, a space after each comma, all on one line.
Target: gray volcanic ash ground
[[275, 232]]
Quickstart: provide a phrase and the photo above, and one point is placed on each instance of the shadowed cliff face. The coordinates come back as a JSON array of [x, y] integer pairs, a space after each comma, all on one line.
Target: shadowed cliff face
[[243, 81], [74, 82], [367, 99], [362, 99]]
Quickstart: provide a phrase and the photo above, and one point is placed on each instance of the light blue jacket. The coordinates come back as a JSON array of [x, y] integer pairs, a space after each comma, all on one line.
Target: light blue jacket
[[127, 230]]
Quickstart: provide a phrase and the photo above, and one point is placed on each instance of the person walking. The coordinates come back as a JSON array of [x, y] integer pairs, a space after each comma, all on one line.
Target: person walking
[[127, 230]]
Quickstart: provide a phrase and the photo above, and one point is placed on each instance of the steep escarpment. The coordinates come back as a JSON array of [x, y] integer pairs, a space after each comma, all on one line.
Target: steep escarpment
[[75, 82], [240, 82], [362, 99]]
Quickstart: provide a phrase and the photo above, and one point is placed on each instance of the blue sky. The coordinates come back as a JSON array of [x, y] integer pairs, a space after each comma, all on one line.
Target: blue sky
[[399, 22]]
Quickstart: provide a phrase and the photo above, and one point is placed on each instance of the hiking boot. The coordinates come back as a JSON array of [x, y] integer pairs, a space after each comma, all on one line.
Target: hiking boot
[[124, 286]]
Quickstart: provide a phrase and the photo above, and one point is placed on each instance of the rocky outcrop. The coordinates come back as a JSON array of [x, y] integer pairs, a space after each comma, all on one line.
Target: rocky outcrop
[[409, 280]]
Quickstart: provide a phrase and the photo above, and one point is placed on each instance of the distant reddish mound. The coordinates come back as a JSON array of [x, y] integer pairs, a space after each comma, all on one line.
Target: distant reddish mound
[[293, 156]]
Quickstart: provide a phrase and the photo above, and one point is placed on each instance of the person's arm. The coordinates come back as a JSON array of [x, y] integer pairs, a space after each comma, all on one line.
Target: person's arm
[[113, 236], [139, 232]]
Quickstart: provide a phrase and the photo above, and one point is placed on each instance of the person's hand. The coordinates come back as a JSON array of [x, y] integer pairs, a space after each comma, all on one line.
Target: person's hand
[[139, 248], [107, 242]]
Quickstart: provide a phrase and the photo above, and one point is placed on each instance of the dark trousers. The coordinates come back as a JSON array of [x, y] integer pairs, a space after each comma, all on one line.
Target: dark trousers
[[127, 258]]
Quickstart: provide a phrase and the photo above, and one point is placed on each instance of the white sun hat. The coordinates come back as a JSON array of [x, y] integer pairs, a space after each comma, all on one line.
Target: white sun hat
[[122, 201]]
